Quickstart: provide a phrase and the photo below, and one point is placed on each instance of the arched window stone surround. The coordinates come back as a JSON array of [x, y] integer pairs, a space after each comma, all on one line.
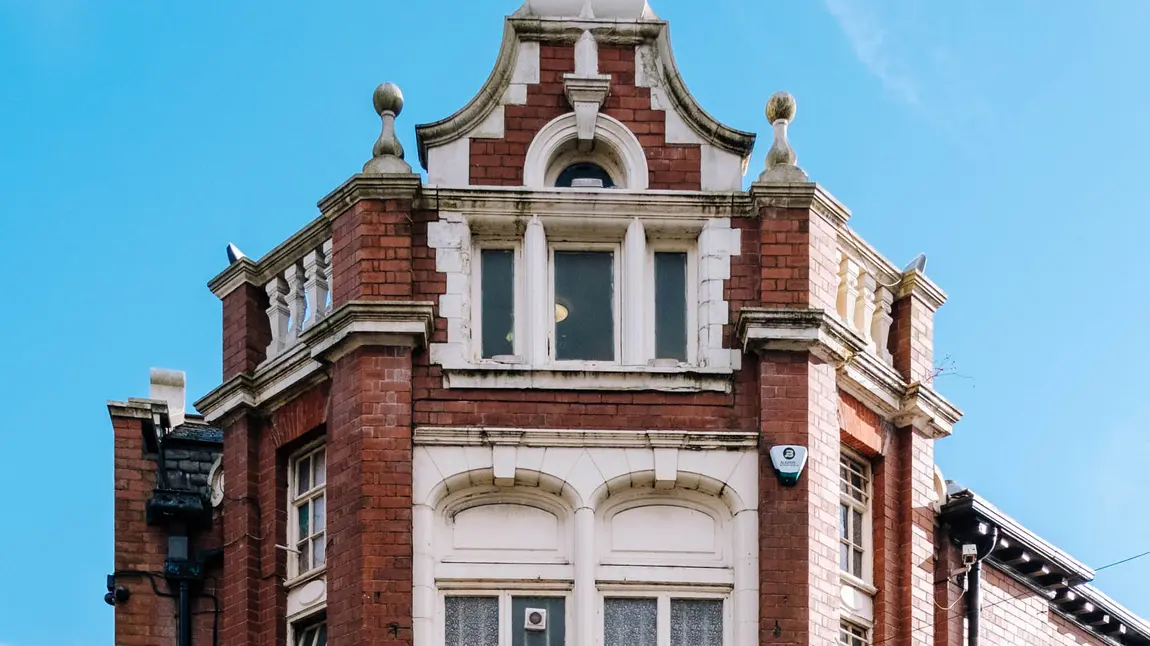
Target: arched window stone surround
[[551, 151], [585, 479]]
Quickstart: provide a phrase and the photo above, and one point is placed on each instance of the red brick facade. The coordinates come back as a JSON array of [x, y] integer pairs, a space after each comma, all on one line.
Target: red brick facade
[[365, 400]]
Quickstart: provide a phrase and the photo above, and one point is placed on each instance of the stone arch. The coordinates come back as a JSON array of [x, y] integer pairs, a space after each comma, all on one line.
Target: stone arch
[[554, 148]]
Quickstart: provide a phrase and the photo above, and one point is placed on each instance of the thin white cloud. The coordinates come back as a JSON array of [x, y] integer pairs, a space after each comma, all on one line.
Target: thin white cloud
[[868, 38]]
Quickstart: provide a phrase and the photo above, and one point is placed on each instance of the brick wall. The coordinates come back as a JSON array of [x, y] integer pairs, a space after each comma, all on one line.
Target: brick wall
[[796, 259], [369, 494], [912, 339], [371, 252], [147, 619], [499, 162], [861, 426], [247, 331]]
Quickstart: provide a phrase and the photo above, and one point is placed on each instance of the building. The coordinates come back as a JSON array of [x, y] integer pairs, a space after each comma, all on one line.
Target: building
[[540, 398]]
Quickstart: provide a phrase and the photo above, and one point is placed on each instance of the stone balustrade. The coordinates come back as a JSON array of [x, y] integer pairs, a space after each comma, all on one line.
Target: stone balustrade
[[865, 296], [299, 296]]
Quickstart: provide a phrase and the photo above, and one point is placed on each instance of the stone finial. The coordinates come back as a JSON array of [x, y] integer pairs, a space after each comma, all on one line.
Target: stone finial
[[388, 152], [782, 163]]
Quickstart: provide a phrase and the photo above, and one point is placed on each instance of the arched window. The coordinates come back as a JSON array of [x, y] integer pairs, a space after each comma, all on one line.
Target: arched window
[[584, 175]]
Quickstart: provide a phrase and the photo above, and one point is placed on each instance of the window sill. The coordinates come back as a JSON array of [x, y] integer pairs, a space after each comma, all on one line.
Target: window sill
[[305, 578], [857, 583], [688, 379]]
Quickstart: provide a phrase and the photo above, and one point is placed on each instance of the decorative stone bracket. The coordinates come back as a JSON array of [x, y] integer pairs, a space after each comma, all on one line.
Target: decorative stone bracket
[[586, 89], [861, 373]]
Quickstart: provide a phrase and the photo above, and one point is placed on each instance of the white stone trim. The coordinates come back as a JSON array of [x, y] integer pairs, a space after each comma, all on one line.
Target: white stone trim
[[563, 130], [579, 438], [588, 484], [717, 244]]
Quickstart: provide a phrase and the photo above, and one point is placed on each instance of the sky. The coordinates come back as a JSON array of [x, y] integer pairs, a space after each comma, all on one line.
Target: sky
[[1007, 140]]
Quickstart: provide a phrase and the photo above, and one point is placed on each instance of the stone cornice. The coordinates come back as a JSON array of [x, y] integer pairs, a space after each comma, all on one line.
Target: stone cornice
[[861, 373], [566, 31], [915, 283], [489, 436], [399, 186], [927, 412], [241, 272], [520, 202], [351, 326], [803, 330], [804, 195], [137, 408], [363, 323]]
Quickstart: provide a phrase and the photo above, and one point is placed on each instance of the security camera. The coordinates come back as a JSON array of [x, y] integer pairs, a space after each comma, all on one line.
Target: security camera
[[969, 554], [116, 593]]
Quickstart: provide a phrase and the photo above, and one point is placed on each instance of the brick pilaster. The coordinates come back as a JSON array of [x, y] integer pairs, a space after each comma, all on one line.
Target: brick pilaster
[[369, 491], [240, 602], [912, 337], [371, 250], [917, 536], [247, 331], [798, 526]]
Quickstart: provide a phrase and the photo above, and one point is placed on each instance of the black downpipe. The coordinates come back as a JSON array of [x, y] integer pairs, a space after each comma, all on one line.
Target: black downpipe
[[185, 614], [974, 589]]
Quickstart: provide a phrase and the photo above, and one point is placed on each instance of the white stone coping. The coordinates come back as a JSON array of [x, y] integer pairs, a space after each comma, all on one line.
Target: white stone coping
[[499, 436], [614, 378]]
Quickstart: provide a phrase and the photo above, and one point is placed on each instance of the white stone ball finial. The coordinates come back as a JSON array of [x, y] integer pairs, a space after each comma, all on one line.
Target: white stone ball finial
[[782, 163], [387, 155]]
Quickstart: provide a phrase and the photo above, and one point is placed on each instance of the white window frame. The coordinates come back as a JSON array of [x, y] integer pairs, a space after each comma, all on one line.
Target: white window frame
[[310, 619], [691, 248], [295, 499], [505, 591], [856, 631], [519, 294], [663, 595], [616, 250], [866, 508]]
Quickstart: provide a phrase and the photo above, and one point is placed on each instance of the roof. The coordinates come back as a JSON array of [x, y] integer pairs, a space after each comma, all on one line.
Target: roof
[[1043, 568], [192, 432]]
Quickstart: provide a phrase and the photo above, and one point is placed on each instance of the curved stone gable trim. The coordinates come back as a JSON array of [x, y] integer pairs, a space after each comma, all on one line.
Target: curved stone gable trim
[[473, 114]]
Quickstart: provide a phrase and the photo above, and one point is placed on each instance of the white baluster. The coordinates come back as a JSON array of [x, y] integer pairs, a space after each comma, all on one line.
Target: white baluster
[[315, 267], [278, 313], [848, 289], [329, 261], [864, 307], [880, 327], [297, 301]]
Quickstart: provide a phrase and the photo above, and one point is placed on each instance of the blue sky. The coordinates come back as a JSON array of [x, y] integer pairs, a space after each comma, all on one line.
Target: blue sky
[[1007, 140]]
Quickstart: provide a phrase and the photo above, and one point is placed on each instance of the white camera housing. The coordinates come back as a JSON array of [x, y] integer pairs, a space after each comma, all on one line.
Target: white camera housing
[[535, 619], [969, 554]]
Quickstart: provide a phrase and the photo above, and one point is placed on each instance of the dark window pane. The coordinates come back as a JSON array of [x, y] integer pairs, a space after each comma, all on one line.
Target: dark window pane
[[696, 623], [498, 290], [556, 632], [583, 170], [671, 306], [472, 621], [584, 312], [629, 622]]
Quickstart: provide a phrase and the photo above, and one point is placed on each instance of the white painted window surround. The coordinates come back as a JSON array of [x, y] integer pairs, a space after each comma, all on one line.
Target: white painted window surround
[[586, 523], [856, 546], [307, 495], [709, 244]]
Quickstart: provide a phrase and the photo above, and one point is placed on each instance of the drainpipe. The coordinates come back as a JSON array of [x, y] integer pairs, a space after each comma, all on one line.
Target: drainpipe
[[185, 614], [974, 589]]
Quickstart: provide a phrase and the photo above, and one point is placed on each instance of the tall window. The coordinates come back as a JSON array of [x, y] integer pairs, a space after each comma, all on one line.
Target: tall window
[[584, 305], [854, 514], [671, 305], [309, 508], [497, 285], [851, 634]]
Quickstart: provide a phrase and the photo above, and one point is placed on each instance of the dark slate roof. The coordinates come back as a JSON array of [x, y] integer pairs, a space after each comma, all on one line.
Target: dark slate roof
[[1043, 568], [193, 432]]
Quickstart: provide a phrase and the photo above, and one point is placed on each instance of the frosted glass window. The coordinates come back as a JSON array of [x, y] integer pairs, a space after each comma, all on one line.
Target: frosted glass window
[[630, 622], [696, 622], [472, 621]]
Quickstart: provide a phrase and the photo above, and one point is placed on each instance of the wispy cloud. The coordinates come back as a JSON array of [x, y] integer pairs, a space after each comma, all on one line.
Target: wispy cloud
[[867, 36]]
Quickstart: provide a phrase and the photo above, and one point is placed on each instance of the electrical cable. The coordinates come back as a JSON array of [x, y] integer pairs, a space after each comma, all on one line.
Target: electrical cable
[[1013, 597]]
